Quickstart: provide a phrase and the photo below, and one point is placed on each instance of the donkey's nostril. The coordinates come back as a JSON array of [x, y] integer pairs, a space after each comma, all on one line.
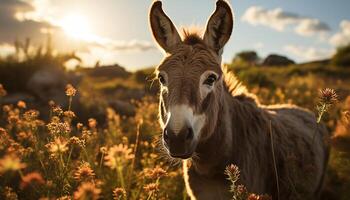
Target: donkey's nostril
[[190, 134]]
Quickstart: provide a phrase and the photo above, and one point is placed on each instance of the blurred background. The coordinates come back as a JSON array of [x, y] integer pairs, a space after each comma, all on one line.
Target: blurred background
[[283, 51]]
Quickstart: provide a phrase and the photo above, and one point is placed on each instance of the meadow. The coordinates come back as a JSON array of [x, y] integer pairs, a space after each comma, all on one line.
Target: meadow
[[93, 133]]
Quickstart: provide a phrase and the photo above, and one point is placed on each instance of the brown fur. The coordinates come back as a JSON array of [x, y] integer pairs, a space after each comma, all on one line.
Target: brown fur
[[237, 131]]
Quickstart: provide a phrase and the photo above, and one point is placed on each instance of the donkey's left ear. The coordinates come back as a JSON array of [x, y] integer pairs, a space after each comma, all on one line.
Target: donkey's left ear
[[164, 31], [219, 27]]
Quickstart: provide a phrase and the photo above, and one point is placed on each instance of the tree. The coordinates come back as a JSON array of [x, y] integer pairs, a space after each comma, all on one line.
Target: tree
[[250, 57]]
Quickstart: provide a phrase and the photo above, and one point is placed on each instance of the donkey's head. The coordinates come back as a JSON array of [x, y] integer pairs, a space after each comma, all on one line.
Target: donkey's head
[[191, 78]]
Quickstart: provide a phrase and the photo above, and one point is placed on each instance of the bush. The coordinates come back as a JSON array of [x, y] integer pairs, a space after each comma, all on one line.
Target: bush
[[342, 57], [246, 56], [255, 77]]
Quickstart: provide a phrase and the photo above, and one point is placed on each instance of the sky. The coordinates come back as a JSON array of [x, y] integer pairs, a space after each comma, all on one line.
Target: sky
[[117, 31]]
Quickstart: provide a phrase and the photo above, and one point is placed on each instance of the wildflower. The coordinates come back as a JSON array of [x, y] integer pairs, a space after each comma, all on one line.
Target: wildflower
[[151, 187], [119, 193], [327, 98], [26, 136], [87, 191], [241, 190], [52, 103], [31, 179], [155, 173], [21, 104], [69, 114], [56, 128], [70, 90], [2, 91], [103, 150], [58, 146], [9, 194], [6, 108], [232, 172], [11, 163], [259, 197], [79, 126], [31, 115], [117, 155], [14, 148], [77, 141], [74, 140], [92, 123], [84, 172], [57, 110], [13, 117], [86, 134]]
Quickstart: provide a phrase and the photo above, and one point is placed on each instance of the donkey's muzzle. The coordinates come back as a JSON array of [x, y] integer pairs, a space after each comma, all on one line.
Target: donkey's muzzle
[[180, 145]]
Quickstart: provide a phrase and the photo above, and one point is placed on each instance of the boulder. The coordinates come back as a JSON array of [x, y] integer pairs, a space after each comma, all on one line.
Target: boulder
[[50, 83]]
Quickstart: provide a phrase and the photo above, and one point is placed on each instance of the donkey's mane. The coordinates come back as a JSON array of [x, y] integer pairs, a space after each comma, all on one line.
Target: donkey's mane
[[192, 36]]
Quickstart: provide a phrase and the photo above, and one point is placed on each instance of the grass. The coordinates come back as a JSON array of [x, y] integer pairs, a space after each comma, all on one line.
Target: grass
[[59, 159]]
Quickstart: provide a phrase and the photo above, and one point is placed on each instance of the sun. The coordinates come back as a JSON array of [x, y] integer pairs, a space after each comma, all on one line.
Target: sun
[[76, 26]]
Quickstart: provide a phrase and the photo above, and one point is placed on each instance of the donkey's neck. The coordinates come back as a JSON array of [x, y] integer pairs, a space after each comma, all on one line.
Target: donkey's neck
[[214, 154], [234, 137]]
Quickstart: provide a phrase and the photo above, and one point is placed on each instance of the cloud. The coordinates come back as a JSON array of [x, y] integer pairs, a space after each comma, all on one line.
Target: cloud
[[308, 53], [13, 28], [258, 45], [132, 45], [279, 20], [310, 27], [276, 18], [343, 36]]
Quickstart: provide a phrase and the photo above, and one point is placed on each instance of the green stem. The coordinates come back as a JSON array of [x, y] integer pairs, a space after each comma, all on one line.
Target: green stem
[[70, 154], [150, 196], [101, 160], [121, 177], [70, 103], [133, 160], [322, 111]]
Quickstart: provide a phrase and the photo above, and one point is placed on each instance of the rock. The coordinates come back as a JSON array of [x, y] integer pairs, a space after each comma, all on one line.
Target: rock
[[49, 84], [277, 60]]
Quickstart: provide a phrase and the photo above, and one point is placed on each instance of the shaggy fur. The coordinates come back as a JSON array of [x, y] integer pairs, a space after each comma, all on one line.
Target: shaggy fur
[[238, 129]]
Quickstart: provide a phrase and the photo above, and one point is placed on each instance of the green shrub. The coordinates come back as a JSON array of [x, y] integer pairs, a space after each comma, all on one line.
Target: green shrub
[[342, 57]]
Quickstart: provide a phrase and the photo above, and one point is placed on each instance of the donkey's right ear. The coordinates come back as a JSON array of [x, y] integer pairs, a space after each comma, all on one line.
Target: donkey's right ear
[[163, 29]]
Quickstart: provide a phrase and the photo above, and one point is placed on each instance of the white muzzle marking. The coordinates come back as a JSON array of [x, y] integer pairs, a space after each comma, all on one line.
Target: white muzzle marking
[[182, 115]]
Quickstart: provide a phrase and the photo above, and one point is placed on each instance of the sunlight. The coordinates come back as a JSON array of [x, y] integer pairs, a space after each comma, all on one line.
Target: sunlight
[[76, 26]]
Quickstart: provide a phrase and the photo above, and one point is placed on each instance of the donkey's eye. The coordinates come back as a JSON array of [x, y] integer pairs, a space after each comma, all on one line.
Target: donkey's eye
[[210, 80], [161, 79]]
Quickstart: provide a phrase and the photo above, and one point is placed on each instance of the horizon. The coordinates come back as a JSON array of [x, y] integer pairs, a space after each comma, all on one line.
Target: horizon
[[302, 33]]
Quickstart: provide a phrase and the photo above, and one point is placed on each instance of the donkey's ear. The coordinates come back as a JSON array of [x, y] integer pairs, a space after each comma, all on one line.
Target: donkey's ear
[[219, 27], [163, 29]]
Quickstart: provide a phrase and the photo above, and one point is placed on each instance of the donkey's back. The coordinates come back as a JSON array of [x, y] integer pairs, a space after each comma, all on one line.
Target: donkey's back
[[301, 152]]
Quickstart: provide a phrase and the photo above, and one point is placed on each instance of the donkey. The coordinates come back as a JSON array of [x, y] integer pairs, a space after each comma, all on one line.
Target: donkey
[[209, 120]]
